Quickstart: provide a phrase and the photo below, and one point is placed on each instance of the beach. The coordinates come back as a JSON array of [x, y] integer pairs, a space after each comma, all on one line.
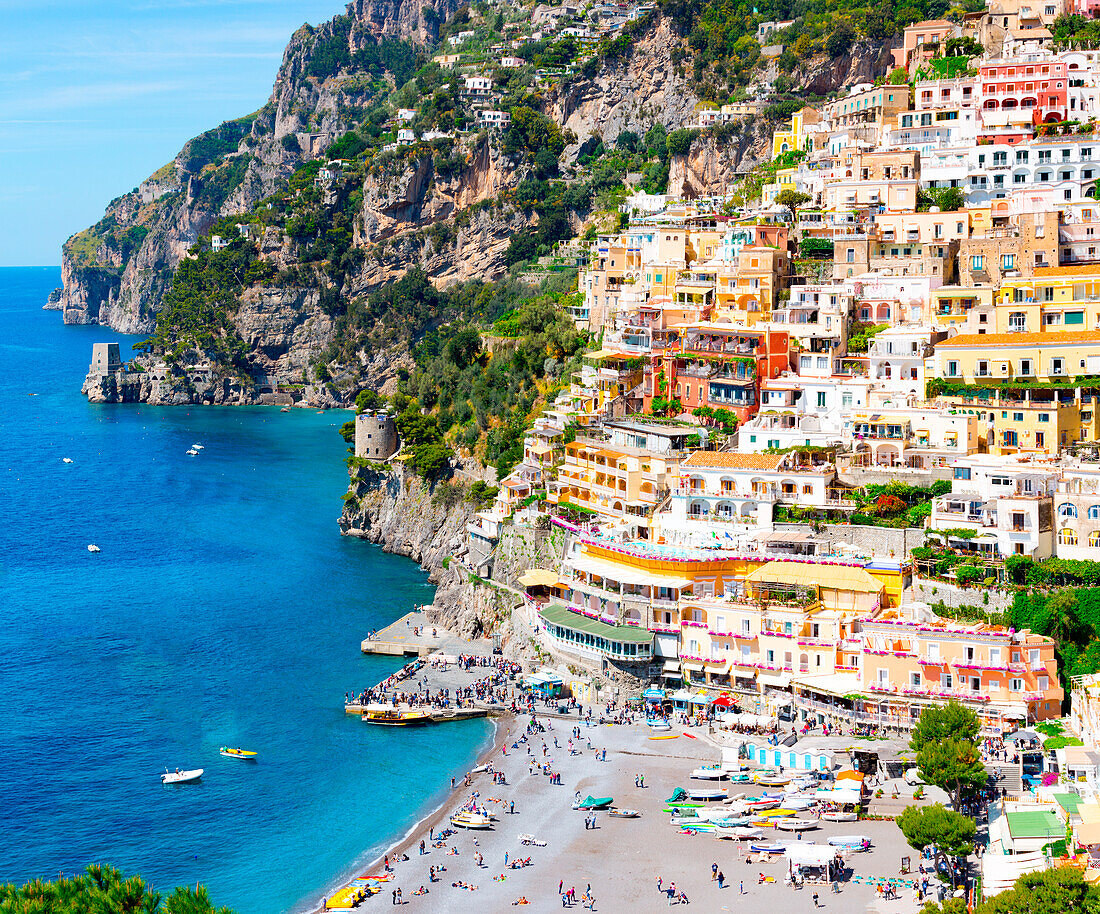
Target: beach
[[619, 860]]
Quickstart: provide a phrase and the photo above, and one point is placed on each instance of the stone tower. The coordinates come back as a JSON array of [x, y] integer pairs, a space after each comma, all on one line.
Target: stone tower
[[105, 358], [375, 435]]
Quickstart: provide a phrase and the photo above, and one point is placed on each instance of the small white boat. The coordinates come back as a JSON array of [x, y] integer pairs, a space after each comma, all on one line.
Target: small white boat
[[799, 802], [658, 725], [839, 816], [66, 459], [795, 824], [471, 820], [709, 773], [772, 780], [197, 447], [181, 777], [737, 832], [92, 547], [617, 812], [192, 453], [856, 842], [706, 794]]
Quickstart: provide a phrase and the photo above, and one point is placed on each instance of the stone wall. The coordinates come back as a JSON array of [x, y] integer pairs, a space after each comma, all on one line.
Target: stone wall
[[882, 542], [931, 592]]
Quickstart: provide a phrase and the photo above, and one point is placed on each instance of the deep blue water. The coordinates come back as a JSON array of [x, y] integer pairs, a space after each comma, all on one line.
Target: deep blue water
[[224, 608]]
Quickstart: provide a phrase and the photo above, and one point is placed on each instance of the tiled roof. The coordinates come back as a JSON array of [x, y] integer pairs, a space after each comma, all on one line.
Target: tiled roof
[[728, 460], [992, 340]]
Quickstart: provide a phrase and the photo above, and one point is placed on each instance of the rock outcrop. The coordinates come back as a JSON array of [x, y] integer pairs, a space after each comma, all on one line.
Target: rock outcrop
[[714, 162]]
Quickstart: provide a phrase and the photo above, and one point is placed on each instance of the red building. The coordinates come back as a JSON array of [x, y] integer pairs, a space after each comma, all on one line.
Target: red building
[[719, 365], [1039, 86]]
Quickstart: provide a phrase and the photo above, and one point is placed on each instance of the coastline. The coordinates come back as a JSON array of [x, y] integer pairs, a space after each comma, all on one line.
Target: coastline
[[506, 724]]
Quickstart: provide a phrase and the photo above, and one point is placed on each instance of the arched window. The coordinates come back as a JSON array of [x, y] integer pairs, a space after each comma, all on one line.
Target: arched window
[[1094, 512], [1065, 509], [1067, 536], [1094, 538]]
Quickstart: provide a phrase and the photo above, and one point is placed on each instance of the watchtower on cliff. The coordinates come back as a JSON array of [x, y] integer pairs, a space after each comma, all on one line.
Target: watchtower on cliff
[[105, 358], [375, 435]]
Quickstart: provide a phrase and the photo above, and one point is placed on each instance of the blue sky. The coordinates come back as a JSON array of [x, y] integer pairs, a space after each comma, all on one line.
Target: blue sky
[[96, 95]]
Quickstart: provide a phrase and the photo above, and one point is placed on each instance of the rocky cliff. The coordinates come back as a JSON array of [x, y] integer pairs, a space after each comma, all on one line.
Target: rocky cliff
[[116, 272], [715, 160]]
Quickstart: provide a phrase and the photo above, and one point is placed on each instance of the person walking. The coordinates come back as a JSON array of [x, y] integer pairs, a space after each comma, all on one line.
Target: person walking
[[713, 872], [816, 905], [721, 879]]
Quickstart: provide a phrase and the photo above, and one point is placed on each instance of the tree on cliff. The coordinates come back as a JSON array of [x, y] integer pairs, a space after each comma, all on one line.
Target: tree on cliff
[[792, 199], [102, 888]]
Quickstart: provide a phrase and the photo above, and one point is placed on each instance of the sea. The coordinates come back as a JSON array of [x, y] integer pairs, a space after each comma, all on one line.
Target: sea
[[223, 608]]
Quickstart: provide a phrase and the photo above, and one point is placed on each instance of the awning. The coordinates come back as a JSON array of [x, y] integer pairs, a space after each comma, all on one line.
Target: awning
[[1088, 833], [655, 694], [538, 577], [626, 574], [556, 614], [810, 854], [850, 776], [699, 700], [723, 701], [672, 666], [777, 680], [809, 574]]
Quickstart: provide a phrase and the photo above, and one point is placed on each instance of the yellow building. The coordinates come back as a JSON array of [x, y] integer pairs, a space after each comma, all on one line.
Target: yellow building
[[1025, 357], [1053, 299], [796, 139], [953, 306]]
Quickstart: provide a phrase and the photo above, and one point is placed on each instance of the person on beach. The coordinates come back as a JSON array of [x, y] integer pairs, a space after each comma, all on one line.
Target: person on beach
[[721, 879], [713, 872]]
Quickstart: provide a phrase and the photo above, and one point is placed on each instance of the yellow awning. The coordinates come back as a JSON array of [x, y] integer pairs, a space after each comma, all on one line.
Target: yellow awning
[[627, 574], [606, 354], [808, 574], [538, 577]]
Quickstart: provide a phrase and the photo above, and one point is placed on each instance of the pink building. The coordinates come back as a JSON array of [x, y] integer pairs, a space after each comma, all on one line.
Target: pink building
[[1039, 86]]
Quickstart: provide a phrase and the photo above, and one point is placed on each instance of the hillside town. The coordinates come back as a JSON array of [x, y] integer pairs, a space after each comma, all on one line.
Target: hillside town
[[835, 411]]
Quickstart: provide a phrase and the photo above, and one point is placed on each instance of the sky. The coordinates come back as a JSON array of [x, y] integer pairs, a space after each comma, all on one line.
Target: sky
[[95, 95]]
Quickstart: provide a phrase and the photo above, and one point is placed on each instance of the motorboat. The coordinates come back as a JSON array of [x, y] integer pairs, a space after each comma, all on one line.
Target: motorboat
[[709, 773], [475, 821], [658, 725], [618, 812], [191, 452], [181, 777], [92, 547], [395, 717], [66, 459], [706, 794], [840, 816], [772, 780], [793, 824], [768, 848], [853, 842], [197, 447], [797, 803], [244, 755]]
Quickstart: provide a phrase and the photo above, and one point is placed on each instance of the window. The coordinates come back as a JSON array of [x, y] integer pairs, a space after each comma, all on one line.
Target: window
[[946, 680], [962, 472], [952, 369], [1066, 509], [1067, 536], [977, 262], [1016, 685], [914, 679], [821, 398], [1025, 367], [1057, 366], [1043, 683], [1008, 261]]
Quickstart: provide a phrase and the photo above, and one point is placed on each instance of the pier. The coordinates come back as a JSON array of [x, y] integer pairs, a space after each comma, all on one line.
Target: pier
[[412, 636]]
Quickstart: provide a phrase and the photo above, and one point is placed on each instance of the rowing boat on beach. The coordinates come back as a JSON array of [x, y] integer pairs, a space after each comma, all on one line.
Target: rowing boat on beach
[[471, 820], [395, 717]]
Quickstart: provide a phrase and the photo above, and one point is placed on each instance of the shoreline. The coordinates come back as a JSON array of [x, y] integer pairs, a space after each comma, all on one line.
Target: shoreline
[[441, 811]]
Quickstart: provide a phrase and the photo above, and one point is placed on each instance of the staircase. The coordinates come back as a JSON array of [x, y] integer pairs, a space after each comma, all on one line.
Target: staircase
[[1006, 776]]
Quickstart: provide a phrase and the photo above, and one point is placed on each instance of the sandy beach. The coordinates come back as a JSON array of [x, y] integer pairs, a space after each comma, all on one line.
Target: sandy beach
[[621, 859]]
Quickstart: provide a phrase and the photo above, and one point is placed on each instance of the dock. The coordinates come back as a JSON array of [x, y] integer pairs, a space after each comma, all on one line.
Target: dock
[[409, 636], [437, 715]]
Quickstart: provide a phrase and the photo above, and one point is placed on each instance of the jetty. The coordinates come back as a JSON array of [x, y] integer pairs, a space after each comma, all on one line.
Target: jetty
[[410, 636]]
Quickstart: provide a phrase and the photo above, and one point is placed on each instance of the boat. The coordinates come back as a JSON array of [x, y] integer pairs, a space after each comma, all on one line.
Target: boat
[[772, 780], [756, 804], [285, 409], [737, 832], [471, 820], [667, 736], [799, 802], [795, 824], [659, 725], [243, 754], [591, 802], [66, 459], [181, 777], [92, 547], [855, 842], [197, 447], [740, 778], [768, 848], [775, 813], [706, 794], [709, 773], [839, 816], [191, 452], [623, 813], [395, 717]]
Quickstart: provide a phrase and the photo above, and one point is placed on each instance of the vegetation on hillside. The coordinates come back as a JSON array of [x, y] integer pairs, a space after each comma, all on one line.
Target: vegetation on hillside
[[102, 890]]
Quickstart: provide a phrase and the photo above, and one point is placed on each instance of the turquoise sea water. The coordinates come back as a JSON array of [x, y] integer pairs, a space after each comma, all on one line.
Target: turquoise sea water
[[224, 608]]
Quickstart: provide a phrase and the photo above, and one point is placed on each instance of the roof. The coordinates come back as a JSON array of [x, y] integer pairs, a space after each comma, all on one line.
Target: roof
[[1035, 824], [1070, 802], [729, 460], [606, 354], [995, 340], [538, 577], [556, 614], [627, 573], [831, 577]]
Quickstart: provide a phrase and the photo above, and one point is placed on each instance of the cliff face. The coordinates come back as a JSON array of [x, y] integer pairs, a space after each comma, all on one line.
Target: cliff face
[[627, 94], [712, 164], [116, 272]]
